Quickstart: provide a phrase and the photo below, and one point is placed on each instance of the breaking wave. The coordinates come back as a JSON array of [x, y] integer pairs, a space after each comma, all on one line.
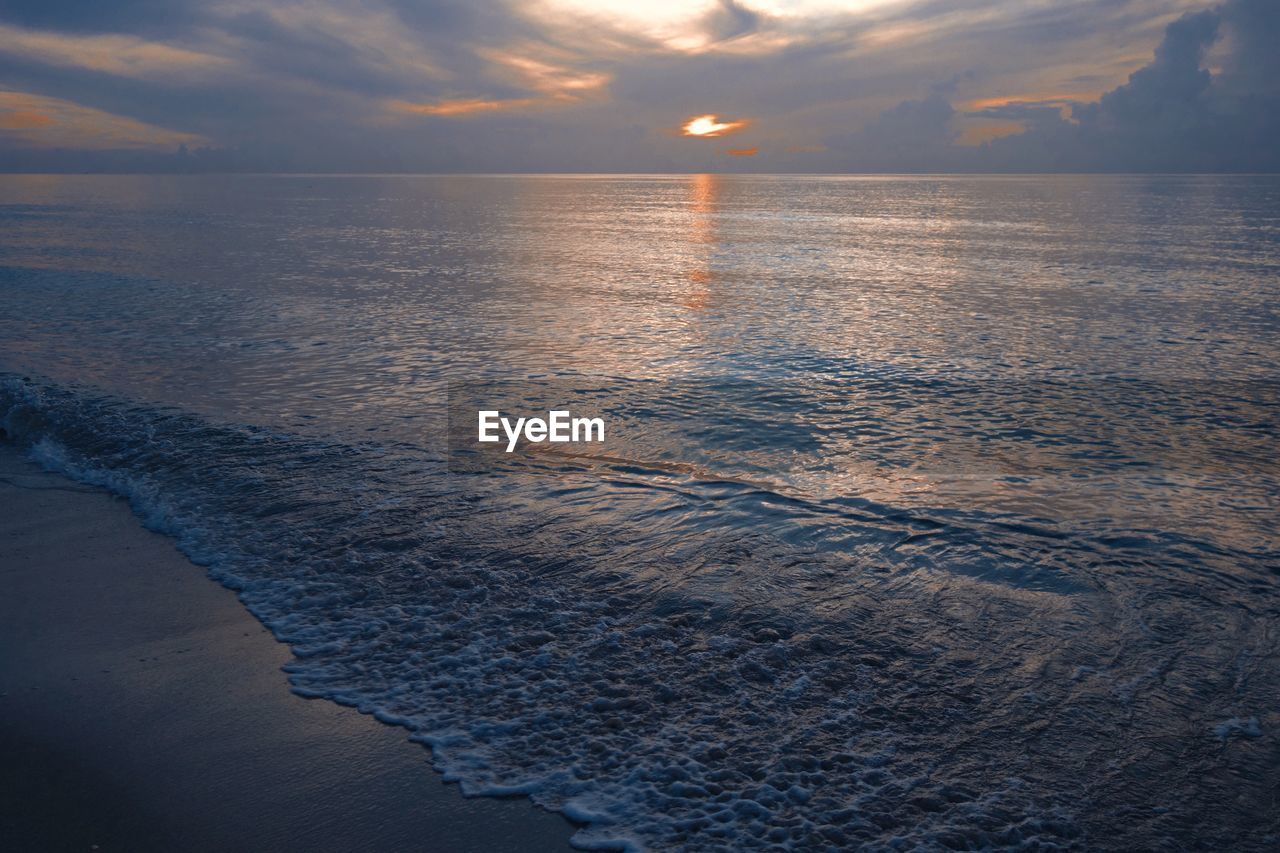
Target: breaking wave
[[648, 652]]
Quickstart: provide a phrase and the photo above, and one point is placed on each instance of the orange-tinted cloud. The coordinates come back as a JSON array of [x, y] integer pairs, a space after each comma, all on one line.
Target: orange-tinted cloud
[[743, 152], [37, 121], [23, 120], [456, 107], [120, 55], [540, 69], [978, 134], [555, 84], [1057, 99], [710, 125]]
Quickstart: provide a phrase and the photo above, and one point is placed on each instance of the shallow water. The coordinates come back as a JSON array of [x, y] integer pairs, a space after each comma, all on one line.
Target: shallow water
[[934, 512]]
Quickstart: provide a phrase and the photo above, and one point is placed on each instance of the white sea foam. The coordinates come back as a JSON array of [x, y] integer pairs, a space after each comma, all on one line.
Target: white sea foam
[[866, 712]]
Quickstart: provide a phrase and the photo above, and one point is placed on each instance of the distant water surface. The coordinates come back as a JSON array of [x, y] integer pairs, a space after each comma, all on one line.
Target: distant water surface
[[936, 512]]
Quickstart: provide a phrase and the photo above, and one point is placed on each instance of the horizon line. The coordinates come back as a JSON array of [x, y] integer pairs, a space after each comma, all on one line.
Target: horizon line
[[606, 174]]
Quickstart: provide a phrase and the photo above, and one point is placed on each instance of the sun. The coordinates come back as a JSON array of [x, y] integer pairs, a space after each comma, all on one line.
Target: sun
[[710, 125]]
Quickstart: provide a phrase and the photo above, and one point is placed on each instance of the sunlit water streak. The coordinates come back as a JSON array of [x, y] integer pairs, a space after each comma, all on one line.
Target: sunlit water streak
[[936, 511]]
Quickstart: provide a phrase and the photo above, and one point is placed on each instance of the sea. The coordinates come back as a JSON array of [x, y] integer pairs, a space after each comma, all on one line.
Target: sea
[[934, 511]]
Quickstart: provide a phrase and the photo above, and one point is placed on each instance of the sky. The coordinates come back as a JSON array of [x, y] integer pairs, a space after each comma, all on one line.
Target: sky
[[639, 85]]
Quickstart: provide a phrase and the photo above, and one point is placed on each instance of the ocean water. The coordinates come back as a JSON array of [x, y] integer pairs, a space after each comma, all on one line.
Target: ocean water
[[935, 512]]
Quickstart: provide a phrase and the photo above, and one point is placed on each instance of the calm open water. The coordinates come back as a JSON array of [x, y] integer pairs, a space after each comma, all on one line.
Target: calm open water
[[935, 511]]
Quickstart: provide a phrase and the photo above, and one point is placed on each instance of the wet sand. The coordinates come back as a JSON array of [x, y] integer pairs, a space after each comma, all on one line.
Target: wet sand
[[143, 708]]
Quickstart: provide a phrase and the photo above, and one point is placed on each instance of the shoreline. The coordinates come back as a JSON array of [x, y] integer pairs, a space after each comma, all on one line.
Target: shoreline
[[142, 707]]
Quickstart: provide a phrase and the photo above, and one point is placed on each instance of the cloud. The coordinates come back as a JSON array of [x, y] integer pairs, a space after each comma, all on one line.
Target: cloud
[[1254, 63], [119, 55], [1032, 112], [978, 133], [514, 85], [35, 121], [352, 39], [460, 106], [548, 72], [1171, 114], [1174, 82], [743, 152], [687, 26], [911, 132]]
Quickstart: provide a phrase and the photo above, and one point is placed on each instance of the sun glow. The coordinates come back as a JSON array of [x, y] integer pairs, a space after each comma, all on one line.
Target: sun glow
[[690, 25], [710, 125]]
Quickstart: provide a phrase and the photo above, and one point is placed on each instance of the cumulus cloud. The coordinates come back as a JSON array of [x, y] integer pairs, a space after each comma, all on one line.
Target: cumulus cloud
[[1173, 114]]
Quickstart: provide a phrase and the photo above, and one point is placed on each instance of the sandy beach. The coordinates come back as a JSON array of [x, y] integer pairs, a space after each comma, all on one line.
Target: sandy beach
[[143, 708]]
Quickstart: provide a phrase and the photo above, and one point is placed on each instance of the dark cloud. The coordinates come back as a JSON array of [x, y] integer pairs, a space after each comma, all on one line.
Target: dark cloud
[[132, 16], [1165, 96], [911, 132], [731, 20], [1173, 114], [1254, 63]]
